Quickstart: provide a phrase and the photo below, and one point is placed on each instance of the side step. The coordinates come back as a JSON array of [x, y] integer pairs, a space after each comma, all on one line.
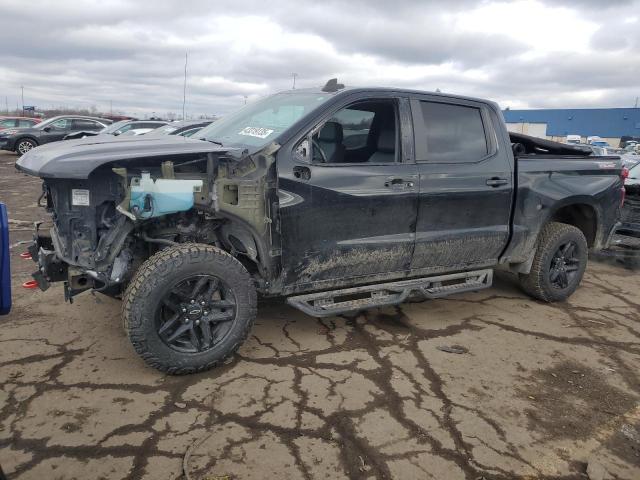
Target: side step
[[326, 304]]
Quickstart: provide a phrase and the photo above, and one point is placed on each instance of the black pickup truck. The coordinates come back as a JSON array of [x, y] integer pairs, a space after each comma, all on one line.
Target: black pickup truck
[[338, 199]]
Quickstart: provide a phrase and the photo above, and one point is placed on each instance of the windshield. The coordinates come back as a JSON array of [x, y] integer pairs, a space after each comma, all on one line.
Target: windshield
[[258, 123], [166, 130], [114, 127]]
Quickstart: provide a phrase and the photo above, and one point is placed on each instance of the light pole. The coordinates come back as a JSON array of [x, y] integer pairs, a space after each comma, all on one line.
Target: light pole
[[184, 87], [294, 75], [22, 89]]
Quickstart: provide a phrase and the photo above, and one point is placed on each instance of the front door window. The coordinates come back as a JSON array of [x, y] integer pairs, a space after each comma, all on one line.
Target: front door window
[[365, 132]]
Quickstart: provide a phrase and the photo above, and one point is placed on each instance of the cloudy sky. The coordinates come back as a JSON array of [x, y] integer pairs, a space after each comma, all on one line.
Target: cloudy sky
[[523, 54]]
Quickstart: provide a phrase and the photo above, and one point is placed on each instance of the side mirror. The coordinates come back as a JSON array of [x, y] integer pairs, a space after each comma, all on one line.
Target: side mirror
[[46, 129], [302, 151], [116, 133]]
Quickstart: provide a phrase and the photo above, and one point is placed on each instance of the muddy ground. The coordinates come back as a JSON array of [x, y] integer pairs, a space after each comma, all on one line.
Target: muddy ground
[[542, 391]]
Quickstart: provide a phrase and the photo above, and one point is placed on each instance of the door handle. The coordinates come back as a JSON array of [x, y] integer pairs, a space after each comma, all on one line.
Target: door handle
[[302, 173], [399, 183], [497, 182]]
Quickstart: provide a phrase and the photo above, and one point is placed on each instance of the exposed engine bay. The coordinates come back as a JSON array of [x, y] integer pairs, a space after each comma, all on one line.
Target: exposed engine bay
[[105, 226]]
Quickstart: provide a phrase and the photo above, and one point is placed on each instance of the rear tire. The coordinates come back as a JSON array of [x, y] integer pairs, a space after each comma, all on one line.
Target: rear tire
[[188, 308], [24, 145], [558, 265]]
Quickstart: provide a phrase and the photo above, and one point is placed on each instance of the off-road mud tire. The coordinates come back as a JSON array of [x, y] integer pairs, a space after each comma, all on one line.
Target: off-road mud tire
[[537, 283], [168, 266]]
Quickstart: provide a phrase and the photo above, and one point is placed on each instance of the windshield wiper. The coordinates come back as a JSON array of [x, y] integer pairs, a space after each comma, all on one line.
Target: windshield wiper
[[213, 141]]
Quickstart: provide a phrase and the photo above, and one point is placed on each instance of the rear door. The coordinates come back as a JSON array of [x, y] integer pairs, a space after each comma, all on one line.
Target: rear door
[[349, 211], [85, 125], [466, 185]]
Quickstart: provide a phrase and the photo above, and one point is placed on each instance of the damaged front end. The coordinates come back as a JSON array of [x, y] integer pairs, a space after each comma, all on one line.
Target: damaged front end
[[110, 215]]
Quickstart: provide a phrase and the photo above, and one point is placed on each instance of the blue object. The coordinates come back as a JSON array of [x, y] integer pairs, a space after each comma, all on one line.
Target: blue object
[[153, 198], [5, 266]]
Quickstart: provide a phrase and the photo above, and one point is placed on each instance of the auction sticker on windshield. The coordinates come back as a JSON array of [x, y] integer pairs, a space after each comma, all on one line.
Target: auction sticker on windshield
[[256, 132]]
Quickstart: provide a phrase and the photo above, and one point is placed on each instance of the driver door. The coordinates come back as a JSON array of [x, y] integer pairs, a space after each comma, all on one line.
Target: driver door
[[56, 131], [348, 208]]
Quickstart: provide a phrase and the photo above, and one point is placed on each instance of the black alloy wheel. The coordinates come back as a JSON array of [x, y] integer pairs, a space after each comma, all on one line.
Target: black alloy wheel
[[565, 265], [196, 314]]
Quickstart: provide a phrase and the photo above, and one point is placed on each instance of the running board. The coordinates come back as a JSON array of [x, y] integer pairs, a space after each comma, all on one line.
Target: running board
[[326, 304]]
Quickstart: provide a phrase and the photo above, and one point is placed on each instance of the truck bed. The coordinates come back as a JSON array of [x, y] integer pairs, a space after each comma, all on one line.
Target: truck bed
[[528, 145]]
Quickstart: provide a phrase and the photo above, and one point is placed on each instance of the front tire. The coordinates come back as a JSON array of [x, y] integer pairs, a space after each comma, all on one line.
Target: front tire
[[558, 264], [24, 145], [188, 308]]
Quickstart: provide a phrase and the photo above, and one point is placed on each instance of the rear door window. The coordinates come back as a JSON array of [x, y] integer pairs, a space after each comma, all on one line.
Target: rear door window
[[89, 125], [26, 123], [450, 133]]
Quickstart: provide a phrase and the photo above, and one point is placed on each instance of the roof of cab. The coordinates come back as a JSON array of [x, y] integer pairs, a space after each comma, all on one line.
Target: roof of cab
[[350, 90]]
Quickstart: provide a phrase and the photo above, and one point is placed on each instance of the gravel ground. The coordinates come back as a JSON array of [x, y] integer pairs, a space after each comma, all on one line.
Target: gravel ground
[[540, 391]]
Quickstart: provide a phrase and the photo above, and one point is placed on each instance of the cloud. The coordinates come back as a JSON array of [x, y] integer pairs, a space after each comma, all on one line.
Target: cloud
[[526, 53]]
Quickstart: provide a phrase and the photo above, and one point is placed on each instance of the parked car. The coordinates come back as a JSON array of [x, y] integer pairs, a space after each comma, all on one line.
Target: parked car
[[21, 140], [632, 182], [632, 149], [185, 128], [137, 132], [269, 201], [18, 122], [598, 151], [5, 266], [119, 128], [631, 209], [574, 139]]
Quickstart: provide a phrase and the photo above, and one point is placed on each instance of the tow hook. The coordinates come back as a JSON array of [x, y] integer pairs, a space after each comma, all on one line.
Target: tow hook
[[40, 280]]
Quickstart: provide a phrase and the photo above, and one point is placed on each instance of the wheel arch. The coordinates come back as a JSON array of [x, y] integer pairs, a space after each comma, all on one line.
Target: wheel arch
[[581, 214], [29, 137], [240, 237]]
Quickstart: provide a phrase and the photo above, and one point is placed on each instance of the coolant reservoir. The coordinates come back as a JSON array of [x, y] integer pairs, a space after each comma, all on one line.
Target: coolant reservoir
[[154, 198]]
